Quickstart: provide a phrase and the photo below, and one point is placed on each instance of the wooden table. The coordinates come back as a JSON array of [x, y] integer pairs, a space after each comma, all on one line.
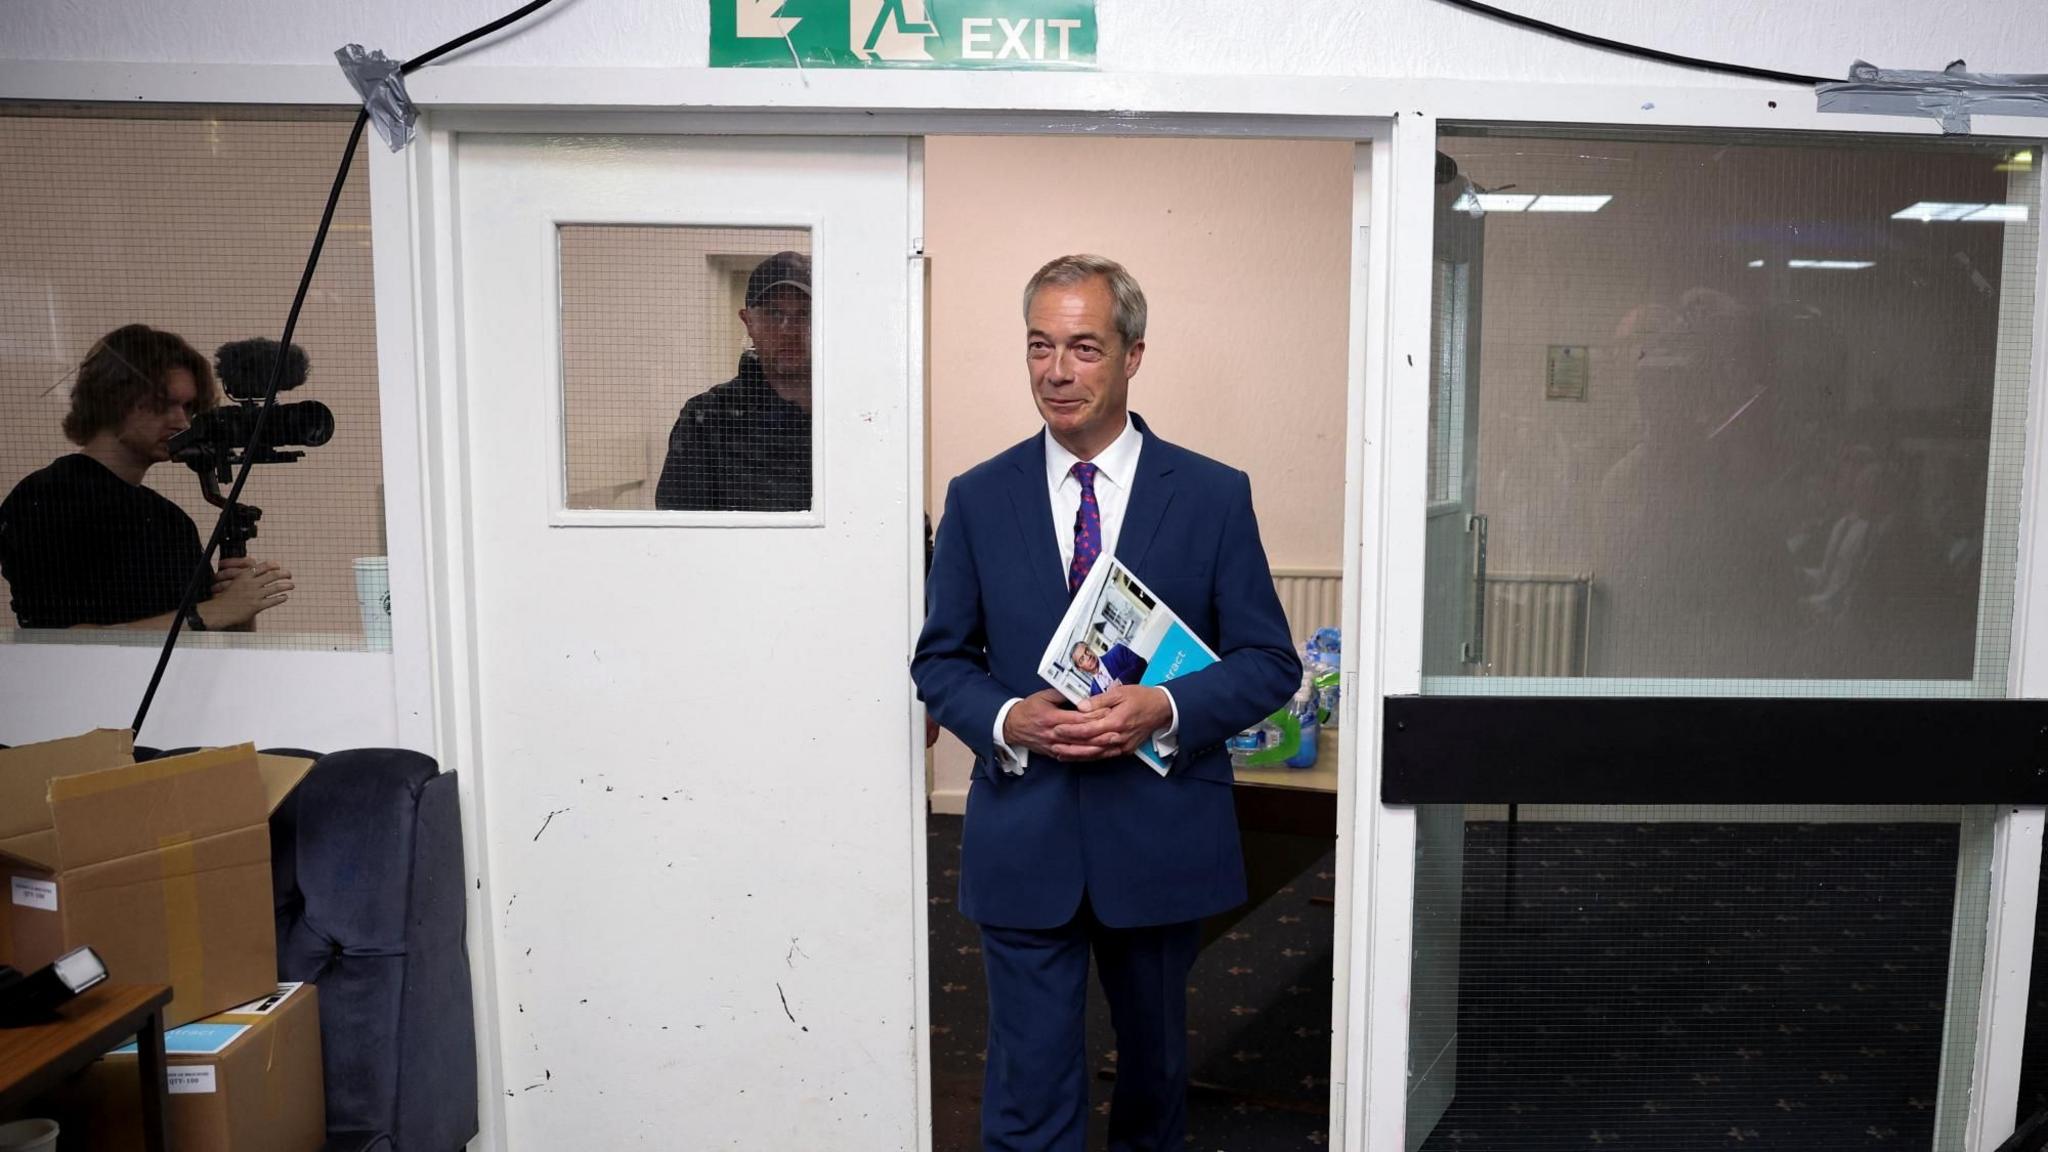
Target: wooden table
[[1301, 802], [36, 1058], [1286, 820], [1297, 801]]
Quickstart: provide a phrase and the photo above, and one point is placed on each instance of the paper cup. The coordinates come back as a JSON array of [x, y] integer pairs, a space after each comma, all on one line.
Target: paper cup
[[373, 600], [29, 1136]]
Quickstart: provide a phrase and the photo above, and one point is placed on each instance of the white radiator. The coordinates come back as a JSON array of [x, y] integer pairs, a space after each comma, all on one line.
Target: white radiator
[[1537, 625], [1312, 598]]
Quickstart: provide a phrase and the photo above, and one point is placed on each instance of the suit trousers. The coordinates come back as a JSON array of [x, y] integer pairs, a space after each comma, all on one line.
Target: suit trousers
[[1035, 1096]]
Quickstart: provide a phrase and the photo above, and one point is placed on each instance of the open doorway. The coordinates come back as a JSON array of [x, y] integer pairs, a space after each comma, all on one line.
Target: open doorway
[[1244, 251]]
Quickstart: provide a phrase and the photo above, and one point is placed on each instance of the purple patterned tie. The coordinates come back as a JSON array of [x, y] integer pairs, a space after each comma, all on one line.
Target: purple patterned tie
[[1087, 529]]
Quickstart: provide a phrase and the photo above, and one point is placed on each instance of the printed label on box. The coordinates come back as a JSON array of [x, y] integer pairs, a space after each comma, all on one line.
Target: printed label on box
[[194, 1080], [40, 894], [268, 1004]]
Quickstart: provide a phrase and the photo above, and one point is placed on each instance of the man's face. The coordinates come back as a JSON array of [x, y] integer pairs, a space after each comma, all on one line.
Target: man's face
[[1080, 368], [1085, 660], [147, 429], [780, 326]]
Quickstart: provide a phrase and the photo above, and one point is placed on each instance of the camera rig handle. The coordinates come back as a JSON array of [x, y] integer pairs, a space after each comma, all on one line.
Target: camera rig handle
[[241, 518]]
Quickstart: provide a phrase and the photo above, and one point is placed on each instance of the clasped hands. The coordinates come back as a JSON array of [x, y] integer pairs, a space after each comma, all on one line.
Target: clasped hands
[[1115, 723]]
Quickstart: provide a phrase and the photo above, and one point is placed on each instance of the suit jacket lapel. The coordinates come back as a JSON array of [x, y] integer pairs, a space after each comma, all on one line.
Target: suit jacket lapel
[[1151, 492], [1033, 505]]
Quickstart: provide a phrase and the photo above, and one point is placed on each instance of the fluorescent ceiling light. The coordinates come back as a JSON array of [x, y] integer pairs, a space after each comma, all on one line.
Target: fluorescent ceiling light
[[1832, 265], [1569, 203], [1756, 263], [1494, 202], [1527, 202], [1929, 210]]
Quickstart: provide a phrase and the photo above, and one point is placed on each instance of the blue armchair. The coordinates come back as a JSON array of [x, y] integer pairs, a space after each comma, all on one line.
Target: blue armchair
[[366, 860]]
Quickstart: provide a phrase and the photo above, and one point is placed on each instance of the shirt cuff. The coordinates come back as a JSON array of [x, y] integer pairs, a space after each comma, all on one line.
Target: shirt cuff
[[1011, 758], [1166, 741]]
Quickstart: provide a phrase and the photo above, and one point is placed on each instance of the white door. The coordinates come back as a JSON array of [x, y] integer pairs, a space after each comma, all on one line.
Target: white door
[[694, 758]]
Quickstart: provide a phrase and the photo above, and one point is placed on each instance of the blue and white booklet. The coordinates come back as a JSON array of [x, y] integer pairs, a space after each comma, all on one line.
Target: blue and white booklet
[[1117, 632]]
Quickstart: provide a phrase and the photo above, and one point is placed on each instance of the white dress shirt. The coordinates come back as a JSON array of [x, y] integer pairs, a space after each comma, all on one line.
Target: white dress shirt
[[1115, 468]]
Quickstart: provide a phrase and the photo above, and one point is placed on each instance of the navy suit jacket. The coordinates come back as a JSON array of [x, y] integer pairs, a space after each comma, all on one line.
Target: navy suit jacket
[[1122, 665], [1145, 849]]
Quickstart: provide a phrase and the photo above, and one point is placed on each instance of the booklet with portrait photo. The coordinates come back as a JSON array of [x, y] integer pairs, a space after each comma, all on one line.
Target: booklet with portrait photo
[[1117, 632]]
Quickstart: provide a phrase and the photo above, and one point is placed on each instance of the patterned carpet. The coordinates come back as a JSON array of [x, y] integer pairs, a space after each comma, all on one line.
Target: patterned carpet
[[1659, 986], [1695, 986], [1258, 1018]]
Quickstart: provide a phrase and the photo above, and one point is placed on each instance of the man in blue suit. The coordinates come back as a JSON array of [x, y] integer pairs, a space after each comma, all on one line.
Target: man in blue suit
[[1072, 843]]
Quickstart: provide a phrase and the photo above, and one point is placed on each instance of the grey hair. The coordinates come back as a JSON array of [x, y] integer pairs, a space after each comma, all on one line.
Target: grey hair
[[1123, 289]]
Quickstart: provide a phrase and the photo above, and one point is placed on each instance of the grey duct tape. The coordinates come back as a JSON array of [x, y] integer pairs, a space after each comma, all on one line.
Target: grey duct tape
[[381, 85], [1950, 96]]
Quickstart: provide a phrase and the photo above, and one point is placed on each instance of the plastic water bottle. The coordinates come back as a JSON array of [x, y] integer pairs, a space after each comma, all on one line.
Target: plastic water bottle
[[1250, 742], [1303, 709], [1323, 654]]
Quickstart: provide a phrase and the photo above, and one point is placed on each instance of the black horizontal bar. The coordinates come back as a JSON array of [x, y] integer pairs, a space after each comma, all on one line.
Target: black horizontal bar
[[1691, 750]]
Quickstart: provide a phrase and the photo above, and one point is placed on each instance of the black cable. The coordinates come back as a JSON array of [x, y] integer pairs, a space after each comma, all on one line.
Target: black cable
[[1636, 50], [203, 571], [419, 62]]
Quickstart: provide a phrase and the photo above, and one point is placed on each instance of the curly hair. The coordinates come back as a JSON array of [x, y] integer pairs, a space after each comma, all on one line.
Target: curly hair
[[128, 366]]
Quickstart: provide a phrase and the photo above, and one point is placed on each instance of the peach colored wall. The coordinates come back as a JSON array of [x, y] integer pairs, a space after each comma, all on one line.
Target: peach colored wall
[[1243, 249]]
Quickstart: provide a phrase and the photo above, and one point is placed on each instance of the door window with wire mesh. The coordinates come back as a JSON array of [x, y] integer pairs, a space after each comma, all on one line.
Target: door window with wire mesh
[[686, 368], [145, 261], [1731, 416]]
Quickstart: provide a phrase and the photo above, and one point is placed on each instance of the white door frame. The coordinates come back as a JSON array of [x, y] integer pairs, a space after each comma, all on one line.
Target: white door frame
[[1386, 471], [1389, 643], [1386, 639], [427, 305], [424, 453]]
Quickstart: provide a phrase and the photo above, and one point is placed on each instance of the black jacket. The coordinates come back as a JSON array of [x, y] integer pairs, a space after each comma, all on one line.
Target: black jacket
[[738, 447]]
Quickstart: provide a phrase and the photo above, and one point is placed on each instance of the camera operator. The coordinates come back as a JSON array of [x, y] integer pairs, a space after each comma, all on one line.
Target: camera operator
[[745, 445], [83, 543]]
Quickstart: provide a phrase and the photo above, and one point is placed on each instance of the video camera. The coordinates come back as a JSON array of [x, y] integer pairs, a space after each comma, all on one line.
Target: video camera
[[219, 441]]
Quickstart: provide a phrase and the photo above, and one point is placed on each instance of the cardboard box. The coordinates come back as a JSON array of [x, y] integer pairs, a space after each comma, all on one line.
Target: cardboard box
[[248, 1080], [163, 868]]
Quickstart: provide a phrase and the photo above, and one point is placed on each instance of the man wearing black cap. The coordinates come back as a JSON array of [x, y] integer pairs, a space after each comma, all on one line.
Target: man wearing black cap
[[745, 445]]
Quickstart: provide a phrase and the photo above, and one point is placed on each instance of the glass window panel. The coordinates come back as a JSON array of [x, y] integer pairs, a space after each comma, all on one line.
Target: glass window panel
[[195, 223], [686, 368], [1692, 978], [1748, 414]]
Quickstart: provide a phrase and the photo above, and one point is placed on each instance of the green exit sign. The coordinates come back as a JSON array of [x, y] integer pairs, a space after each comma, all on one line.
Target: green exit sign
[[903, 34]]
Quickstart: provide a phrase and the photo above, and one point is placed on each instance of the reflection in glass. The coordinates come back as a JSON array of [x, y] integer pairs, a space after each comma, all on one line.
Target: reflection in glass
[[1777, 460]]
